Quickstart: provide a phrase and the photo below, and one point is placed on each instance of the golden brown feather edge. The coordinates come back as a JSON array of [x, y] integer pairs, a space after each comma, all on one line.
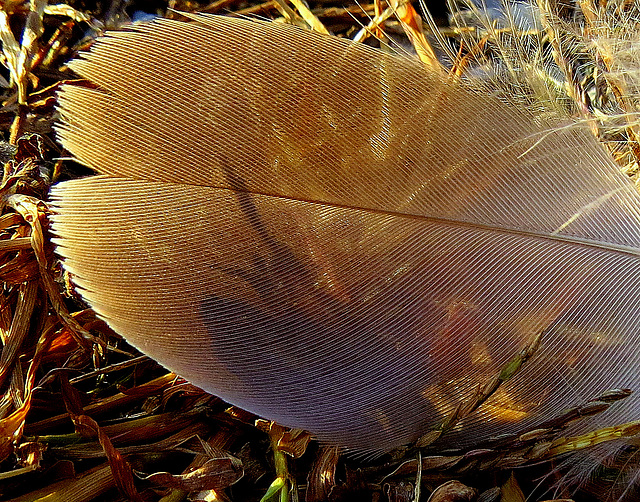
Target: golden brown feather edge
[[338, 239]]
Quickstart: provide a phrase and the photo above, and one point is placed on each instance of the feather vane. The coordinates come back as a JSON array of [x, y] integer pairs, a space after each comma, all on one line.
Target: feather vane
[[340, 239]]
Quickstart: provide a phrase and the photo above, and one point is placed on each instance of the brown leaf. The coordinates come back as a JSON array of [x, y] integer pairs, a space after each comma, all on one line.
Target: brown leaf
[[11, 429], [322, 477], [71, 396], [293, 442], [120, 468], [453, 491], [214, 474], [29, 147]]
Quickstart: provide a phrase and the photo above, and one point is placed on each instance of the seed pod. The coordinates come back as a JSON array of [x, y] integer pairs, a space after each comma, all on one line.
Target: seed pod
[[339, 239]]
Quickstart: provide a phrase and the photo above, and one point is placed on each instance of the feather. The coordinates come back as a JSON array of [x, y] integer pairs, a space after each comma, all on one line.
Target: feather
[[342, 240]]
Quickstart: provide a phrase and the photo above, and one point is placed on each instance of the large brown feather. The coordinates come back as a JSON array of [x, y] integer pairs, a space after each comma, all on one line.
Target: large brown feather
[[338, 239]]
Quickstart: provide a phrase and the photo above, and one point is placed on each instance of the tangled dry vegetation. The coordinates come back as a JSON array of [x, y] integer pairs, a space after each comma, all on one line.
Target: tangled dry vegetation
[[83, 416]]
